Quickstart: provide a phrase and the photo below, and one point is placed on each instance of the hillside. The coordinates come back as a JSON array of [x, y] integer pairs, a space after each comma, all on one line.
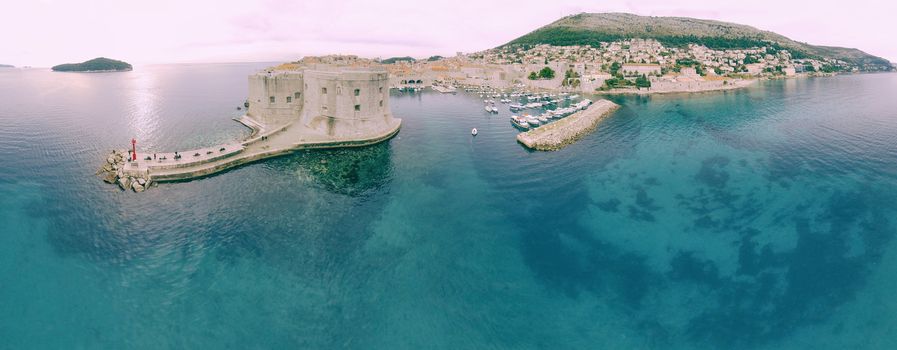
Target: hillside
[[392, 60], [100, 64], [594, 28]]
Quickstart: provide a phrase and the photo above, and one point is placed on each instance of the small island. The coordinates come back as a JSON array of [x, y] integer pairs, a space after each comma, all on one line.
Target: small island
[[7, 66], [100, 64]]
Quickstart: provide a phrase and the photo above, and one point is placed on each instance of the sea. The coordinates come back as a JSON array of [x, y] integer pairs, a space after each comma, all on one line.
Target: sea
[[760, 218]]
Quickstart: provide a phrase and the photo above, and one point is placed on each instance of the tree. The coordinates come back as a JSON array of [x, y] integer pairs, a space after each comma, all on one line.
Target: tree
[[533, 76], [642, 82], [615, 67], [546, 73]]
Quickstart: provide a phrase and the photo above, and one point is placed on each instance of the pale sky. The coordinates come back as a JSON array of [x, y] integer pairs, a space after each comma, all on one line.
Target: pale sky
[[43, 33]]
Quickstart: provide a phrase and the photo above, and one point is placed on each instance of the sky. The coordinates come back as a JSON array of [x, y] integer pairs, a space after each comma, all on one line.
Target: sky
[[42, 33]]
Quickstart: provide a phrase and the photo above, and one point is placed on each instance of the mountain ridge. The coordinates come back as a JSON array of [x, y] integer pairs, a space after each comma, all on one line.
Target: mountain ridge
[[593, 28]]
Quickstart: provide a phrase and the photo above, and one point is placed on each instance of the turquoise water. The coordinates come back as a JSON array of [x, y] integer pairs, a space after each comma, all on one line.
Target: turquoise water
[[760, 218]]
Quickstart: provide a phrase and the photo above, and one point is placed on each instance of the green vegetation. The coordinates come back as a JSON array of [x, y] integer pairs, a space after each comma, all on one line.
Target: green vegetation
[[614, 83], [392, 60], [750, 59], [571, 79], [615, 68], [434, 58], [568, 37], [100, 64], [545, 73], [642, 82]]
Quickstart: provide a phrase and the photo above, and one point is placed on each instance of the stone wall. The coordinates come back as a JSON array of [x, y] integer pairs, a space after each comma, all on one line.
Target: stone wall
[[323, 100]]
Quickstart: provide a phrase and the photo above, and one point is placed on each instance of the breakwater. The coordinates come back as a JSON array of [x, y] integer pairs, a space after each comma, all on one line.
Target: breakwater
[[566, 131], [153, 167]]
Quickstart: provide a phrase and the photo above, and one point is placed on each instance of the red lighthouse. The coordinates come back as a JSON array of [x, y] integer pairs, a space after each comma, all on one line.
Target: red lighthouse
[[133, 150]]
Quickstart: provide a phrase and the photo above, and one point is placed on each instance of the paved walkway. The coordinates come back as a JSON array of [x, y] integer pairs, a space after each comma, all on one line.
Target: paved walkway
[[210, 160]]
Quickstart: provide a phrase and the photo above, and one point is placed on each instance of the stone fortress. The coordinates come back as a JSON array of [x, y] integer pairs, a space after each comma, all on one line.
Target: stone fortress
[[339, 97], [317, 102]]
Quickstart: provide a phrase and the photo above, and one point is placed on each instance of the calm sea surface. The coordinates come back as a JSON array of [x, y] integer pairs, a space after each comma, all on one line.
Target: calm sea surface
[[759, 218]]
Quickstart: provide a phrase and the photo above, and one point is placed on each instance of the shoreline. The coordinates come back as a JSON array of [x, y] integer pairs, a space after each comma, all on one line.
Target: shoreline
[[738, 84]]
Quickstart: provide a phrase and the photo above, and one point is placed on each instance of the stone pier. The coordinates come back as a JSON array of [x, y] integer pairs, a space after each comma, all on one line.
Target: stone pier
[[561, 133]]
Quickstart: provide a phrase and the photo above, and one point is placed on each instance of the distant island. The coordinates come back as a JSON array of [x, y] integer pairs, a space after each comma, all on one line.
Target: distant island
[[100, 64], [7, 66]]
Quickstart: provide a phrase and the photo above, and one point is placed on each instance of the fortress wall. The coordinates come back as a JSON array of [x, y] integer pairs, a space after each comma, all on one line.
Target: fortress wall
[[335, 114], [283, 87]]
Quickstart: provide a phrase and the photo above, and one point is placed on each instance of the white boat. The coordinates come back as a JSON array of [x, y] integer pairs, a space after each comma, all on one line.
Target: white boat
[[519, 122], [533, 121], [473, 131], [516, 106], [543, 119]]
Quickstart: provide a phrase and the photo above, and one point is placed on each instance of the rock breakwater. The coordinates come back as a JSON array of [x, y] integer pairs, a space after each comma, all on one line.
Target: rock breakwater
[[112, 172], [559, 134]]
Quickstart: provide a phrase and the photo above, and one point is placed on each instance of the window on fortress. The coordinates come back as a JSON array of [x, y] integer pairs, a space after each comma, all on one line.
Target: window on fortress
[[323, 109], [339, 90], [357, 108], [323, 91], [381, 102], [381, 89], [271, 99], [296, 96], [357, 92], [289, 99]]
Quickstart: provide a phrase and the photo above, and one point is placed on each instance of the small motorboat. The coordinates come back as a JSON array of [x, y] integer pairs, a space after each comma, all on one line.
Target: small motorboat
[[542, 119], [473, 131], [519, 122]]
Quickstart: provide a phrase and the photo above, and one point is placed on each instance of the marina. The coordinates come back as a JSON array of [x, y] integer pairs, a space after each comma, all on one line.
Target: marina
[[557, 135]]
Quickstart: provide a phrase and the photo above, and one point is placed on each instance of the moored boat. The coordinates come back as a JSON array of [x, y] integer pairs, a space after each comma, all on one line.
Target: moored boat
[[533, 121], [519, 122]]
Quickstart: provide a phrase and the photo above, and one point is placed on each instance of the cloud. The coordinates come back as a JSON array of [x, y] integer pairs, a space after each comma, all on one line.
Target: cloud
[[48, 32]]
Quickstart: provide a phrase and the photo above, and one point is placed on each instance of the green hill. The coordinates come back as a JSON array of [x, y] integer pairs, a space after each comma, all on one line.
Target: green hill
[[100, 64], [594, 28], [392, 60]]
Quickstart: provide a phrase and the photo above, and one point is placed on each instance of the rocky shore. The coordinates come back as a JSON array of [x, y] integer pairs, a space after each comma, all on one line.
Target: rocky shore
[[564, 132], [112, 173]]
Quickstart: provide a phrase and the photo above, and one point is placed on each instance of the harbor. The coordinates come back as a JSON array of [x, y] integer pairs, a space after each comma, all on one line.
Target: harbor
[[558, 134]]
